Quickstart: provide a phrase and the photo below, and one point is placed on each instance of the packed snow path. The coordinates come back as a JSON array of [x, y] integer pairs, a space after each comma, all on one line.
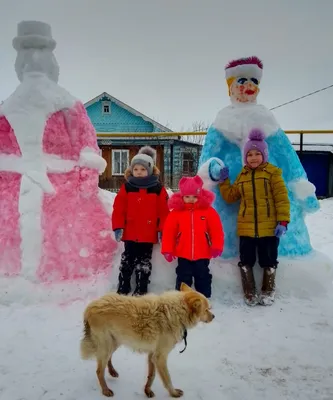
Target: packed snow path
[[280, 352]]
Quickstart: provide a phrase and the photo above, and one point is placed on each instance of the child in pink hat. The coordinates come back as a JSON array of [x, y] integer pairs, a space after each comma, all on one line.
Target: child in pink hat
[[192, 233]]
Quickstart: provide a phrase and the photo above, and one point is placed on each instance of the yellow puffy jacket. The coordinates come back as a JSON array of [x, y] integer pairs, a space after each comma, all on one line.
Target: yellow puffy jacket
[[264, 200]]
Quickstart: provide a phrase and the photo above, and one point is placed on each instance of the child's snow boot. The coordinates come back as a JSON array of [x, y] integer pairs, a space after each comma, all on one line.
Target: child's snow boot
[[249, 286], [142, 281], [124, 284], [267, 296]]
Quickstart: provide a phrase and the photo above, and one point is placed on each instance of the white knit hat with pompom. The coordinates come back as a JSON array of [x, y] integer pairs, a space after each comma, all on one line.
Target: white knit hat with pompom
[[145, 157]]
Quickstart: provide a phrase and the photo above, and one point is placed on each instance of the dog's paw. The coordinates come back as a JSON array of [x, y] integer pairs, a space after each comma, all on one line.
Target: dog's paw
[[149, 393], [107, 392], [113, 373], [176, 393]]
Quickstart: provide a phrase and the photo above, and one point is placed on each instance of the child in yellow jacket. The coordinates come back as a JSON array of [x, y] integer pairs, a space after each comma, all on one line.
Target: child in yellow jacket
[[263, 216]]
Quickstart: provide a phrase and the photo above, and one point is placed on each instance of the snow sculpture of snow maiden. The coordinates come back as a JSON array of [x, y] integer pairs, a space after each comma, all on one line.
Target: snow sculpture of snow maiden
[[53, 225], [224, 144]]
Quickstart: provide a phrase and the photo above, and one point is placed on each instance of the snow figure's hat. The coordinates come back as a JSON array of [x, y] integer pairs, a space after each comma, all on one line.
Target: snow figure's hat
[[34, 45], [34, 35], [250, 67]]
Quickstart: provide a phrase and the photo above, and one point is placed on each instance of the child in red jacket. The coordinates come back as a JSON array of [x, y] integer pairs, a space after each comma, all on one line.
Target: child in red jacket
[[139, 212], [193, 232]]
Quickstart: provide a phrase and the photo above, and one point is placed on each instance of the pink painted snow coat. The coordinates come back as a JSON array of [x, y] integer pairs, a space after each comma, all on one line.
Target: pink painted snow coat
[[53, 226]]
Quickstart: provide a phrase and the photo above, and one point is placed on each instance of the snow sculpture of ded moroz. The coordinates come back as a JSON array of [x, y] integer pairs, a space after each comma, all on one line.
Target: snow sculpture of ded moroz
[[224, 145], [53, 223]]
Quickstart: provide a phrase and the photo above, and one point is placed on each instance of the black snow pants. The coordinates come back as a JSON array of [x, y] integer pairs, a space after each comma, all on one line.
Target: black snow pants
[[267, 248], [199, 270], [136, 257]]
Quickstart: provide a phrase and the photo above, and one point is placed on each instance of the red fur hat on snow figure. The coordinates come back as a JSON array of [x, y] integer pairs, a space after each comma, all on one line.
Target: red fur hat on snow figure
[[191, 186]]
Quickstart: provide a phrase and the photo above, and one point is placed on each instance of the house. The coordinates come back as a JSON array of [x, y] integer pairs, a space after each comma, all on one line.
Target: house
[[116, 122]]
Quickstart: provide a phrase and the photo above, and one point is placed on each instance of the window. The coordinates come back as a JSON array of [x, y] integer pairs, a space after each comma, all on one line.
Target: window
[[106, 107], [120, 161], [188, 163]]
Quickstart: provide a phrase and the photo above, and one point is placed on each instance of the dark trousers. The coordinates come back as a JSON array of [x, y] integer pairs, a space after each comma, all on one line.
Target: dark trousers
[[136, 257], [199, 270], [267, 248]]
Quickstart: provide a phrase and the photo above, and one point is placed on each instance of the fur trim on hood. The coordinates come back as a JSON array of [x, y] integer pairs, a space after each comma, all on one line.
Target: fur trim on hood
[[205, 200]]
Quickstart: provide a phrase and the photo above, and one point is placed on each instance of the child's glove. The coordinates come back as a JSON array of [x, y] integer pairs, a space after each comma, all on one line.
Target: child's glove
[[215, 253], [169, 257], [118, 234], [224, 174], [159, 237], [217, 173], [280, 229]]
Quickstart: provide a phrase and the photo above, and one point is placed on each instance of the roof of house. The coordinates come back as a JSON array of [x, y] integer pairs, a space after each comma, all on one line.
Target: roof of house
[[128, 108]]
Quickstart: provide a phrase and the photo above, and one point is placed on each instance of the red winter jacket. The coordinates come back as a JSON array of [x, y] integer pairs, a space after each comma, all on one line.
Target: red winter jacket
[[191, 231], [140, 212]]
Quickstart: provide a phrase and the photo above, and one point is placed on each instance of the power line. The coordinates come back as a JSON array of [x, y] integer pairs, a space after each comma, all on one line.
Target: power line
[[302, 97]]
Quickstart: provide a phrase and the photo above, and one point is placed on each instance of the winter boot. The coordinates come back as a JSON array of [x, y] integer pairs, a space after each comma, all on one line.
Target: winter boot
[[124, 284], [267, 296], [249, 286], [142, 282]]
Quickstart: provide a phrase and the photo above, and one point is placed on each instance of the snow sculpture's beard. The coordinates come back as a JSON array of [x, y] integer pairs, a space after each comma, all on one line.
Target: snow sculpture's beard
[[36, 60]]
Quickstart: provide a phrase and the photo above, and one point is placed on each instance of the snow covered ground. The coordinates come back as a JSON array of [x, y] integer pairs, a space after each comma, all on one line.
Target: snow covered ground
[[280, 352]]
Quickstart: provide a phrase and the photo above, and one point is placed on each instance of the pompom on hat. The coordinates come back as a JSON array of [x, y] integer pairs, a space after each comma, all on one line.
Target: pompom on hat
[[256, 142], [250, 67], [145, 157]]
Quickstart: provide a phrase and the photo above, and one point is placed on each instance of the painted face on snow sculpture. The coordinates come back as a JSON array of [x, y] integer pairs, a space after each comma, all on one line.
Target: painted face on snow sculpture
[[243, 78]]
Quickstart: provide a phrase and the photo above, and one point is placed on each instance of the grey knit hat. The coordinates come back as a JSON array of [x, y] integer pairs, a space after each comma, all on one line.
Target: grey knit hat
[[145, 157]]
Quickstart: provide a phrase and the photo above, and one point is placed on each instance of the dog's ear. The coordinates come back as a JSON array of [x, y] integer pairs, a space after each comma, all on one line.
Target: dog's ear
[[185, 288], [193, 302]]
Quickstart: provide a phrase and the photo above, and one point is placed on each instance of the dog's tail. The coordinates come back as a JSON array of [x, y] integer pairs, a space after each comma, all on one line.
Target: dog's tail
[[87, 347]]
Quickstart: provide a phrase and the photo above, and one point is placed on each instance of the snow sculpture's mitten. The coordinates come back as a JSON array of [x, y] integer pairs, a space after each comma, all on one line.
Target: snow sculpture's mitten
[[305, 192], [311, 204]]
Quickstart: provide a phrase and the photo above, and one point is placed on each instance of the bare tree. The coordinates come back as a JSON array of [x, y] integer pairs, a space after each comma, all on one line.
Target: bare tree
[[197, 126]]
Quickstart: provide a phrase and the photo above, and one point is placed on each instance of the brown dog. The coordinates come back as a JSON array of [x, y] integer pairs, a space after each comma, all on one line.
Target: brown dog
[[150, 324]]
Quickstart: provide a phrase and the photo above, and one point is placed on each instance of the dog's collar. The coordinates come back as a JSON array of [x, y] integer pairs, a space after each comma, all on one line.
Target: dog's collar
[[185, 340]]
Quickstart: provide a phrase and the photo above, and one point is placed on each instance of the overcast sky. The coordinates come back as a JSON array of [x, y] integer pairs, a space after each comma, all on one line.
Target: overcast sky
[[166, 58]]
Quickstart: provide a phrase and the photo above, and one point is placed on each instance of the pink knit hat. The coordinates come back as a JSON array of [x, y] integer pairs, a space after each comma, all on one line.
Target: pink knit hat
[[191, 186], [256, 142]]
